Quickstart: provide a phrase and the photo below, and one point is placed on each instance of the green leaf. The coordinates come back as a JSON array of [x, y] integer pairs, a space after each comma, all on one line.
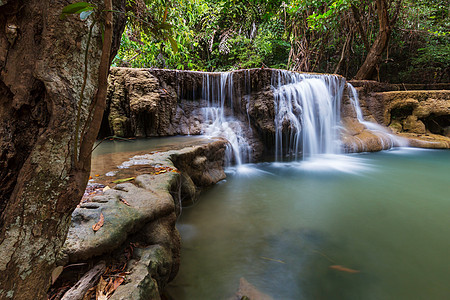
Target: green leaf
[[174, 44], [75, 7], [123, 180]]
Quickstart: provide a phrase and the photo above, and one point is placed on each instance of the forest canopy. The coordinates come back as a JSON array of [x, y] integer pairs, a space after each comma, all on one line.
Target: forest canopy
[[327, 36]]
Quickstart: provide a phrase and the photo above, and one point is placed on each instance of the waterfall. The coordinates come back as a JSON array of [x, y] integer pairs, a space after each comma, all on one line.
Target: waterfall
[[307, 114], [382, 132], [217, 90]]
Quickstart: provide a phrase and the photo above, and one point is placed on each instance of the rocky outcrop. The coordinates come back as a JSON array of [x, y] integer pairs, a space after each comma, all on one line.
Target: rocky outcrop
[[423, 117], [143, 212], [152, 102]]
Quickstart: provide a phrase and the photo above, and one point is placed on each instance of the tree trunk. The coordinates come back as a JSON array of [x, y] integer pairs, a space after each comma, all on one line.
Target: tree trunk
[[41, 181], [373, 58]]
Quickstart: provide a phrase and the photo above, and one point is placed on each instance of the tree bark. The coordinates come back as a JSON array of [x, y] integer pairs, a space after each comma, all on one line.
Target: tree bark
[[373, 58], [358, 23], [41, 182]]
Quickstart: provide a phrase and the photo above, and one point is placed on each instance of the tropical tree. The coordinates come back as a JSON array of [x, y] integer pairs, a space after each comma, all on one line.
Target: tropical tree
[[53, 84]]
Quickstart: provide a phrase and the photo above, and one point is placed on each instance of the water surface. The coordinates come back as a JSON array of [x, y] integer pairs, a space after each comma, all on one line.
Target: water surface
[[282, 225]]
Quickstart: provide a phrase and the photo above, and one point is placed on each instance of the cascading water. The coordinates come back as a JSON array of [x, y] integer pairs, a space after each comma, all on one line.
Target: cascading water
[[218, 92], [383, 133], [307, 114]]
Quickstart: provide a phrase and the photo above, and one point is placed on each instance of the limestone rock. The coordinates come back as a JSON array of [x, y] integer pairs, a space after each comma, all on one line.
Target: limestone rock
[[150, 269], [411, 123], [421, 116], [120, 220]]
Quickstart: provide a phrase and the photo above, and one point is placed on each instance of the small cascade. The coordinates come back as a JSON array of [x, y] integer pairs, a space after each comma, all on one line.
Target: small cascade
[[307, 114], [382, 132], [219, 119]]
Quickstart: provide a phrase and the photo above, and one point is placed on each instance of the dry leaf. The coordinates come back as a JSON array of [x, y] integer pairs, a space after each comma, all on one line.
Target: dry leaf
[[56, 272], [100, 294], [124, 201], [99, 224], [89, 293], [343, 269], [113, 285]]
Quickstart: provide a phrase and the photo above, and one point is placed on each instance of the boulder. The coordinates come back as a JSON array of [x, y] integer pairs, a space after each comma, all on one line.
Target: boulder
[[144, 212], [150, 270]]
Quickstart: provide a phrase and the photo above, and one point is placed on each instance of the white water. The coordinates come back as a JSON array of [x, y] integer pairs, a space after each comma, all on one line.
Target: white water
[[383, 133], [307, 116], [307, 107], [218, 92]]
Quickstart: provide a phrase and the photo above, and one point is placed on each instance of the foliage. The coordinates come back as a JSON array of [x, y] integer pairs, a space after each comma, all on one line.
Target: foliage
[[306, 35]]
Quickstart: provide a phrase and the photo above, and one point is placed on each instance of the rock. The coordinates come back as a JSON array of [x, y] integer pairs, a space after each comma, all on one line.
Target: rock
[[428, 140], [120, 220], [396, 126], [152, 102], [204, 165], [248, 291], [150, 269], [145, 212], [412, 124], [410, 114]]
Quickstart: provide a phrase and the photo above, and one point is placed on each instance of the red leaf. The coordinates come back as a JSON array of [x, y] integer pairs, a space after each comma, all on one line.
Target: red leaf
[[99, 224]]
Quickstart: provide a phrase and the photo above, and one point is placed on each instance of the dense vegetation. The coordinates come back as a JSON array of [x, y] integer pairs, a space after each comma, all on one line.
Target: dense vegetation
[[330, 36]]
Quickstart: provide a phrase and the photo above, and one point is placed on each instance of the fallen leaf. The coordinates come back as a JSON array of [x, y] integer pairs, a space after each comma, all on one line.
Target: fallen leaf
[[123, 180], [113, 285], [100, 294], [56, 272], [106, 188], [99, 224], [89, 293], [124, 201], [96, 175], [343, 269]]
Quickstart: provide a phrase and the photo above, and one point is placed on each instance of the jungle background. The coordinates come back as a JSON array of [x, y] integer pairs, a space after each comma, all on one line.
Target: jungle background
[[325, 36]]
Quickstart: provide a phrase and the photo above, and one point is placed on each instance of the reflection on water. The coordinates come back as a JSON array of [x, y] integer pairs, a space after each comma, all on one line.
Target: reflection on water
[[281, 227], [111, 154]]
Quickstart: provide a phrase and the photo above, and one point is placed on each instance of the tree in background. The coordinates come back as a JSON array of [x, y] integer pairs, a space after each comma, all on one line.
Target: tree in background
[[355, 38]]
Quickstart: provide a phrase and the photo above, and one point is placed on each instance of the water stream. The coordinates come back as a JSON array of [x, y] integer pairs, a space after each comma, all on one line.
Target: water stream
[[309, 106], [323, 225], [218, 92], [383, 133], [282, 226]]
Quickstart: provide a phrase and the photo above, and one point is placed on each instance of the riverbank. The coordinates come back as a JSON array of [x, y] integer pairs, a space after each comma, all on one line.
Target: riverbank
[[127, 218]]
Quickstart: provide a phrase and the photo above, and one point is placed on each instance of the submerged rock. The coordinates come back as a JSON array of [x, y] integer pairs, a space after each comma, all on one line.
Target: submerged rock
[[248, 291]]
